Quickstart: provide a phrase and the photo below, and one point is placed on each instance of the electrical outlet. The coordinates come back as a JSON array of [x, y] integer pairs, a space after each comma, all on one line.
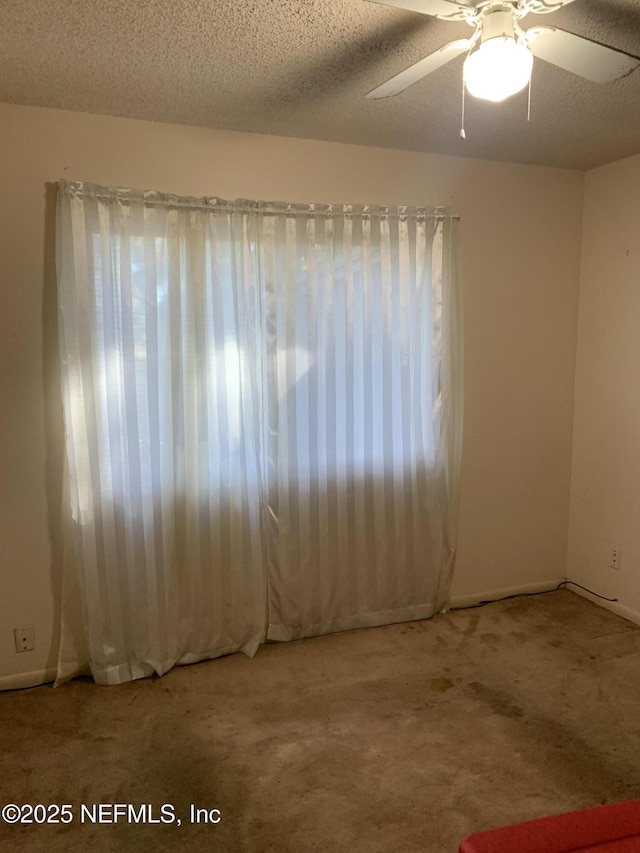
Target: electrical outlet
[[24, 638], [614, 558]]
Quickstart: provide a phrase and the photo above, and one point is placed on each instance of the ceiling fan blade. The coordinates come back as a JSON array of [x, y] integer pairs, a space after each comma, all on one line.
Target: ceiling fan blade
[[541, 7], [581, 56], [416, 72], [448, 10]]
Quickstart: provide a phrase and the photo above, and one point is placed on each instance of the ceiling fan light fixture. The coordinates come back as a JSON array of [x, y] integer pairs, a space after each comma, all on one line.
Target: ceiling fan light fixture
[[498, 69]]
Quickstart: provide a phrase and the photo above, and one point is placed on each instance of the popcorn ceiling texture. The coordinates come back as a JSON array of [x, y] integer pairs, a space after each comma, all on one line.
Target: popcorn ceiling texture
[[302, 68]]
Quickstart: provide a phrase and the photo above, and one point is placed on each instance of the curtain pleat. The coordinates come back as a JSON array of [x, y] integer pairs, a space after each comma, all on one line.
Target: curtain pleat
[[262, 413]]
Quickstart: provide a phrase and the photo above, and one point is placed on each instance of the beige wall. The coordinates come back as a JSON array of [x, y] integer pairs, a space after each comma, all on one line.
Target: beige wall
[[520, 237], [605, 489]]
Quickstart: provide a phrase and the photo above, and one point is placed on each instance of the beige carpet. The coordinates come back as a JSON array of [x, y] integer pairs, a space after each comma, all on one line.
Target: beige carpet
[[402, 738]]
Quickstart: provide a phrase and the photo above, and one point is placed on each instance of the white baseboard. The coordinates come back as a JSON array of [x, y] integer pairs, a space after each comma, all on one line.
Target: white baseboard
[[27, 679], [613, 606], [493, 595]]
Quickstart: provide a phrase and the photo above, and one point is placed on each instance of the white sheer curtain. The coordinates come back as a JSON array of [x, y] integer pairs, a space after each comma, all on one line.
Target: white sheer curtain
[[263, 416], [361, 417]]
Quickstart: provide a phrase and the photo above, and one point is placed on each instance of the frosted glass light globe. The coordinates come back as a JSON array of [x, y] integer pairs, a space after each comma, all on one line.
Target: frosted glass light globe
[[498, 69]]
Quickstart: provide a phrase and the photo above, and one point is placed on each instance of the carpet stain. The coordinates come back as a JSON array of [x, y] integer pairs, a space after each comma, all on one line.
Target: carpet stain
[[440, 685], [489, 638], [520, 636], [472, 626], [496, 700]]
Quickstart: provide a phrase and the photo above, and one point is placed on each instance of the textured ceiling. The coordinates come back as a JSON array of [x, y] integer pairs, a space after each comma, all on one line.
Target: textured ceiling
[[302, 68]]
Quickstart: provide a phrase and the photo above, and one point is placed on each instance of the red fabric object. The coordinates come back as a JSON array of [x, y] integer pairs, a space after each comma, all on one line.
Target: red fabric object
[[604, 829]]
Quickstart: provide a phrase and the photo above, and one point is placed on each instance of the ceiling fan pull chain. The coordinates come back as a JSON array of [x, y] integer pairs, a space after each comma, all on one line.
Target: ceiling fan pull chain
[[529, 102], [462, 134]]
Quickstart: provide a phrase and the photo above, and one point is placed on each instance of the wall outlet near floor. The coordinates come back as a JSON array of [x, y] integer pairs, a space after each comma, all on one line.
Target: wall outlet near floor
[[614, 558], [24, 638]]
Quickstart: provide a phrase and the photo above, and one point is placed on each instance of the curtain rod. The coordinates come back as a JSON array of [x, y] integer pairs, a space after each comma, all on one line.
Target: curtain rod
[[79, 189]]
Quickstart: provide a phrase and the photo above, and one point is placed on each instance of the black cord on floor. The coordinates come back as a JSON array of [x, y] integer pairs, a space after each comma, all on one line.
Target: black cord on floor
[[561, 585], [586, 589], [504, 598]]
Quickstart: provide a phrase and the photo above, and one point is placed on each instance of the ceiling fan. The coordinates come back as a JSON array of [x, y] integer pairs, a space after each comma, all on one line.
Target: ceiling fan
[[500, 53]]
